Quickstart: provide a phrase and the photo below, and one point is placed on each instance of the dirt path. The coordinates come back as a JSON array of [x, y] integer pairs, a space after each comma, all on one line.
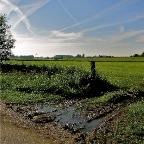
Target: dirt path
[[15, 129], [12, 134]]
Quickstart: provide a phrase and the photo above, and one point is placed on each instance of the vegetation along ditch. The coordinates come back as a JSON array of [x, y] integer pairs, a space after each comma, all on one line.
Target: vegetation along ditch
[[92, 109]]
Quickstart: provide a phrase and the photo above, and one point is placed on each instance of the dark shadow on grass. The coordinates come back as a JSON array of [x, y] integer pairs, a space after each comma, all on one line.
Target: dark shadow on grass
[[84, 86]]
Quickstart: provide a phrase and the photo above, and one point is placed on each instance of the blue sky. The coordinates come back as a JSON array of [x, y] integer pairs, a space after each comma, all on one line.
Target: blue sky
[[92, 27]]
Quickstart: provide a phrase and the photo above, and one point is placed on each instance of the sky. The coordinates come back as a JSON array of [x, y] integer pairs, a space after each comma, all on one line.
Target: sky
[[70, 27]]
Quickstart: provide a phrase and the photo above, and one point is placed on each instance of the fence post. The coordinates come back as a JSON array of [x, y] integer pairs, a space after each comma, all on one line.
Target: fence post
[[93, 71]]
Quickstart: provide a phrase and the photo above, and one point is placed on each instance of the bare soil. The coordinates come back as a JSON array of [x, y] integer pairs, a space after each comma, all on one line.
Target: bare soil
[[14, 127]]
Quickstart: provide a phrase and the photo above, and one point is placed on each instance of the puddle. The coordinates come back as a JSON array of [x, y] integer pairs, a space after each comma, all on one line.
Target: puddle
[[70, 118]]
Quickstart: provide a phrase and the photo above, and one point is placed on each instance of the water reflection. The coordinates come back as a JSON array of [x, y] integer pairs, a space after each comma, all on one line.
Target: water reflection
[[70, 117]]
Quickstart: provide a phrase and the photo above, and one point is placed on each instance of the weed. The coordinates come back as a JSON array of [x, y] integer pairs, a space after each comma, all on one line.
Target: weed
[[130, 128], [115, 96]]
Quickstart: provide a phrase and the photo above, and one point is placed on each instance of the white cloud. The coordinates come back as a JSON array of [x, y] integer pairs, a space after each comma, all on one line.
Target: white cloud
[[26, 44], [140, 38], [62, 37], [125, 35], [115, 37], [90, 46]]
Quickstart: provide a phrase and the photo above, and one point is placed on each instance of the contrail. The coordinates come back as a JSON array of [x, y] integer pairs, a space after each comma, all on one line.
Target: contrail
[[104, 13], [19, 12], [23, 17], [69, 14], [32, 10], [113, 24]]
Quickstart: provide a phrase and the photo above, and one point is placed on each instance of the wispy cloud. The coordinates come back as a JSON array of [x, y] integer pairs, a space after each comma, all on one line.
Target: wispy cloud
[[56, 33], [126, 35], [122, 28], [118, 38], [140, 38], [63, 37], [4, 8], [113, 24]]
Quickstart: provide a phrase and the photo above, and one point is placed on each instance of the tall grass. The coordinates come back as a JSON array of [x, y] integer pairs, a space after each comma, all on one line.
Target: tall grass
[[66, 82]]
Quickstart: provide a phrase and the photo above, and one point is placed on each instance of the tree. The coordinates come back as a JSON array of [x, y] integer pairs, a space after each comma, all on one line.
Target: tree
[[83, 55], [136, 55], [142, 54], [78, 56], [6, 39]]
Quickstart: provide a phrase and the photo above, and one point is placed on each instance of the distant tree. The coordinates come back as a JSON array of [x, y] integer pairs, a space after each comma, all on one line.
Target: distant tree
[[83, 55], [142, 54], [6, 39], [136, 55], [47, 57], [78, 56]]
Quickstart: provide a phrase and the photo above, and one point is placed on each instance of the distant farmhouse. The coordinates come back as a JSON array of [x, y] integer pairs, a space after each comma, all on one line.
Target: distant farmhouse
[[62, 56]]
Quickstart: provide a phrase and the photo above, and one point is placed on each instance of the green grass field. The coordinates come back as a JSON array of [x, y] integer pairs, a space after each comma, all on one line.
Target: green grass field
[[97, 59], [122, 74]]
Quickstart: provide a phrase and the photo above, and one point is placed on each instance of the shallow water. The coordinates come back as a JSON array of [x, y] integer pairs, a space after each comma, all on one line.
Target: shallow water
[[70, 116]]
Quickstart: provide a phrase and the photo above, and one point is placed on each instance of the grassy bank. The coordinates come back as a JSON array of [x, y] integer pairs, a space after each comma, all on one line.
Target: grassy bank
[[33, 83], [126, 127]]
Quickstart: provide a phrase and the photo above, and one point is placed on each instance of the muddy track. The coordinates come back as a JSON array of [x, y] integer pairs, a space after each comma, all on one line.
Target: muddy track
[[59, 134], [49, 130], [44, 122]]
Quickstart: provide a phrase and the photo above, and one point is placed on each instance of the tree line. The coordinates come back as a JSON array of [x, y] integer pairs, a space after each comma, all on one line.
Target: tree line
[[138, 55]]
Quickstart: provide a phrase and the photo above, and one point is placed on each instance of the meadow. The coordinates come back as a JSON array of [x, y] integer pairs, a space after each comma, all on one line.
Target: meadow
[[117, 80], [122, 72]]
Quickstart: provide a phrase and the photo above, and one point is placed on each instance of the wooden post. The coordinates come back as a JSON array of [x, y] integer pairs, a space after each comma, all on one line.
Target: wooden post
[[93, 71]]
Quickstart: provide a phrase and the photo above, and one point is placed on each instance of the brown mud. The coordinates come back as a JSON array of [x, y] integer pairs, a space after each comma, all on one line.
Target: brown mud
[[45, 123], [22, 118]]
